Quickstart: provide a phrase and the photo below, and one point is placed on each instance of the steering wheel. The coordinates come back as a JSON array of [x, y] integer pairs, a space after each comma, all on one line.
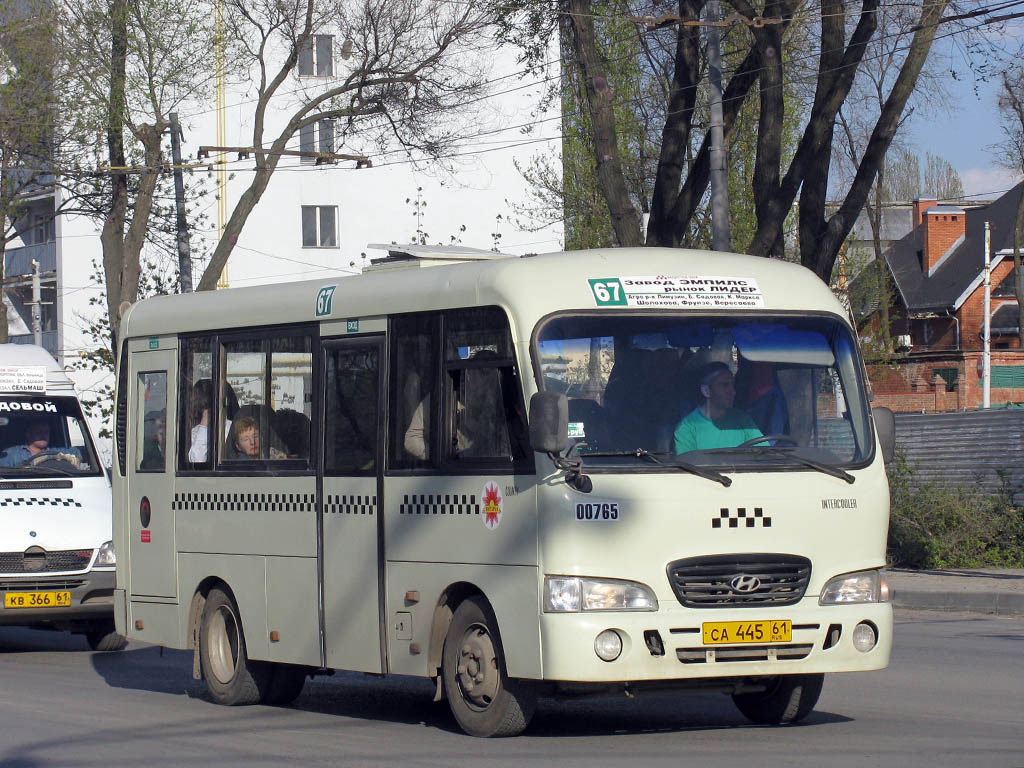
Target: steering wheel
[[52, 455], [768, 438]]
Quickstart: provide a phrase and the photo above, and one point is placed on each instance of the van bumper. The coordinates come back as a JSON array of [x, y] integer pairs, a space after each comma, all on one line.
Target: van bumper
[[92, 598]]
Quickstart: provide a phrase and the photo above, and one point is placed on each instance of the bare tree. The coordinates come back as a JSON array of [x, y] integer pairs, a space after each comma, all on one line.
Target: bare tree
[[1010, 154], [406, 77], [136, 61]]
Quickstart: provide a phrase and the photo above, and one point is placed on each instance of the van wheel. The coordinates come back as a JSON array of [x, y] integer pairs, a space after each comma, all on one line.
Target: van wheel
[[484, 701], [102, 637], [286, 683], [231, 678], [789, 699]]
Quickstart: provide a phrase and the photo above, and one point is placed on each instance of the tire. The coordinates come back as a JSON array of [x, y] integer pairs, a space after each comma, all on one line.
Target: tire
[[102, 637], [484, 701], [230, 677], [789, 699], [286, 683]]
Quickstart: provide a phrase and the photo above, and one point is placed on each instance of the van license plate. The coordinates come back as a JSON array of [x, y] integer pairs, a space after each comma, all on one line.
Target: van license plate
[[733, 632], [37, 599]]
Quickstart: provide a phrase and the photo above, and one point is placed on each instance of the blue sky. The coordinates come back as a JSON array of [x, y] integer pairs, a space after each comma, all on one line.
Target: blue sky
[[964, 135]]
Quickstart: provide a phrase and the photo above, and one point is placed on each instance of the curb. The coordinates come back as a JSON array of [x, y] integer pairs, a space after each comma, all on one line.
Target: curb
[[998, 603]]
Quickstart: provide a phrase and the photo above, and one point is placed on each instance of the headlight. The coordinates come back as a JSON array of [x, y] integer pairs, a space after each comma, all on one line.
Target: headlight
[[568, 594], [105, 557], [859, 587]]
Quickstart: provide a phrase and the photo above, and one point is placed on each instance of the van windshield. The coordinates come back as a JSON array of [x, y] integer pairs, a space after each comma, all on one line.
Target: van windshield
[[715, 390], [43, 435]]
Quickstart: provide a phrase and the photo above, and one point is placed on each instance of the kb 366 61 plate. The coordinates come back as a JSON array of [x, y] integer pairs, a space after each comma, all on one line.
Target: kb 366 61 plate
[[37, 599], [733, 632]]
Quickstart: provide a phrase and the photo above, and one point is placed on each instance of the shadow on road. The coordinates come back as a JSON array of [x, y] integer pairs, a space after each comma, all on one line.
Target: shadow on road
[[393, 699]]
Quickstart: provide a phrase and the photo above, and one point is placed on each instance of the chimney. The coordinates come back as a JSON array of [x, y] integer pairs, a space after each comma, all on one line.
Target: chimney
[[921, 205], [944, 228]]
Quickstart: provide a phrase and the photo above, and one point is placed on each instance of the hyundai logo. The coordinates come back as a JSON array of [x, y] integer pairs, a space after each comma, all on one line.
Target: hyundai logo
[[745, 584], [32, 534]]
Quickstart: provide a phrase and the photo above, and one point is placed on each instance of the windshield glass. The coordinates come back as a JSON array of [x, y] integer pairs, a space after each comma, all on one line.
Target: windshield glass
[[43, 435], [707, 388]]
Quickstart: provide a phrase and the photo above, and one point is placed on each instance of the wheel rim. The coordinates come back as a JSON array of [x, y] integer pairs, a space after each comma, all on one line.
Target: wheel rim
[[222, 643], [477, 668]]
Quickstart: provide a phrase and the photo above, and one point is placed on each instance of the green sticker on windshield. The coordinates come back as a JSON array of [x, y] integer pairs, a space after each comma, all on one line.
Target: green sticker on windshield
[[576, 429]]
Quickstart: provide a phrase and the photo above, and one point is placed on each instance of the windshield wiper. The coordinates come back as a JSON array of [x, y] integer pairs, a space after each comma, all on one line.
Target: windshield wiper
[[693, 469], [788, 452]]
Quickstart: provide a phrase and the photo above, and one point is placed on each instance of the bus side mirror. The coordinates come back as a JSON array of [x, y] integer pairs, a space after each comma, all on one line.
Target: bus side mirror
[[885, 425], [549, 422]]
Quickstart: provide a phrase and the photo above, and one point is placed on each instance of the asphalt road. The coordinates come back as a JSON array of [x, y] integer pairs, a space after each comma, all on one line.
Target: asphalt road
[[953, 696]]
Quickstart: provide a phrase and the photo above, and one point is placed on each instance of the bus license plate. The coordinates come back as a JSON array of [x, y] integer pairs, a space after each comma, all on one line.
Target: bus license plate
[[37, 599], [732, 632]]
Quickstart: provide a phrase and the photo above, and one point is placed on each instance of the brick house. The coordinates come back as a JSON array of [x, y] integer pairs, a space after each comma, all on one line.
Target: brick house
[[936, 311]]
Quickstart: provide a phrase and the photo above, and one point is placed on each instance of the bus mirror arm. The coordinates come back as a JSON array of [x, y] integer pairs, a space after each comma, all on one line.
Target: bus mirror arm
[[573, 468]]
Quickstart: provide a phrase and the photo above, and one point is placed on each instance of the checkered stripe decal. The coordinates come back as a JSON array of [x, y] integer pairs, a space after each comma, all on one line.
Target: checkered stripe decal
[[350, 505], [237, 502], [44, 501], [749, 521], [439, 504]]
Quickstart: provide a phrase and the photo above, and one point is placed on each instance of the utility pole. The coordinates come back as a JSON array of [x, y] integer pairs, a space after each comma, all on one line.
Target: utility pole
[[986, 371], [184, 251], [37, 301], [721, 241]]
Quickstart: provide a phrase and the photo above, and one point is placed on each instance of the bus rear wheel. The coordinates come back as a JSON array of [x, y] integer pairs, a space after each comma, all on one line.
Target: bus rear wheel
[[231, 678], [484, 701], [788, 699]]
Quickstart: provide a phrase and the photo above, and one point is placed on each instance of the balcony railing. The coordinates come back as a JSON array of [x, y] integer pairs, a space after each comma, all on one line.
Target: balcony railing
[[18, 261]]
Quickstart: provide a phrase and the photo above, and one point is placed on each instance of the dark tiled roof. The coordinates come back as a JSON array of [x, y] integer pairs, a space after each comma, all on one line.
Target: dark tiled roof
[[940, 291]]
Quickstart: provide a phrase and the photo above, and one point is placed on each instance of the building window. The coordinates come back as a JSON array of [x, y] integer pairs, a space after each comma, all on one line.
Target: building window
[[316, 58], [319, 226], [316, 137]]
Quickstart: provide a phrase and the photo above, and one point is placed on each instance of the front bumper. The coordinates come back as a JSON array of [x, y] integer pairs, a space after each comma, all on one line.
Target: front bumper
[[92, 597], [567, 643]]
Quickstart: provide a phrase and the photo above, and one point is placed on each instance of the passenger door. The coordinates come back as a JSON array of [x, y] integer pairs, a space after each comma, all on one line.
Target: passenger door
[[351, 530], [151, 406]]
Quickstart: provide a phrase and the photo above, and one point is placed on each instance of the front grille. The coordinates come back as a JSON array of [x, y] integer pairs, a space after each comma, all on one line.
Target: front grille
[[743, 653], [707, 582], [45, 562], [48, 584]]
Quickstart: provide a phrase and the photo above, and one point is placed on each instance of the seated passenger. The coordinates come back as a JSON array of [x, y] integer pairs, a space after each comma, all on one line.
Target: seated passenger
[[153, 446], [37, 441], [715, 423], [244, 441]]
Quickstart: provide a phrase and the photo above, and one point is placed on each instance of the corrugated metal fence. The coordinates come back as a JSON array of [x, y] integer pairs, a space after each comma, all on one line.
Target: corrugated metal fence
[[965, 448]]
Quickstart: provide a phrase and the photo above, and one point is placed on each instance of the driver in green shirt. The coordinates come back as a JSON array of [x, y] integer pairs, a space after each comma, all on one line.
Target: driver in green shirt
[[715, 423]]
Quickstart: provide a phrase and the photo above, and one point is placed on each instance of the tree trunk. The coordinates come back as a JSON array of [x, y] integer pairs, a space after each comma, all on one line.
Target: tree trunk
[[821, 255], [624, 218]]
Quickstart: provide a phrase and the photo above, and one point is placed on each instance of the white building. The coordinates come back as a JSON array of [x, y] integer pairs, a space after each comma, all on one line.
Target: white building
[[313, 220]]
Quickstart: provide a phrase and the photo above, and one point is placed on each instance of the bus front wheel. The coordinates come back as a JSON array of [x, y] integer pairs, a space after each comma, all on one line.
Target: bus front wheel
[[230, 677], [788, 699], [484, 701]]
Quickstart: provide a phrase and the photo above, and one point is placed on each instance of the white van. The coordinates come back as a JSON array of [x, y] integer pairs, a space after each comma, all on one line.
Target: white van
[[56, 554]]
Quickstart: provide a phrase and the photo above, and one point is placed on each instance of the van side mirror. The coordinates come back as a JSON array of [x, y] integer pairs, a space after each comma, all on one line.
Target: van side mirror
[[549, 422], [885, 425]]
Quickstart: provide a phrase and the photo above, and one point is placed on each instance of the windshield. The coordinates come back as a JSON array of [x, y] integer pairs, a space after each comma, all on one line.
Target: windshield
[[714, 390], [44, 436]]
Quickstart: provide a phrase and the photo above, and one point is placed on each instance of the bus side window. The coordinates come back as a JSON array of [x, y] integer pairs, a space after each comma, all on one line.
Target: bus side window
[[195, 404], [151, 429], [350, 439], [486, 420], [413, 376]]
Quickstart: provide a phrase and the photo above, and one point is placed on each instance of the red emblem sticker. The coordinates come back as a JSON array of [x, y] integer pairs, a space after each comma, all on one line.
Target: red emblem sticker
[[144, 536], [490, 506]]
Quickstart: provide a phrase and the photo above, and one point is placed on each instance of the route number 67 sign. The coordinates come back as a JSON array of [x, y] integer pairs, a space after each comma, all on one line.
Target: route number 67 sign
[[324, 299]]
